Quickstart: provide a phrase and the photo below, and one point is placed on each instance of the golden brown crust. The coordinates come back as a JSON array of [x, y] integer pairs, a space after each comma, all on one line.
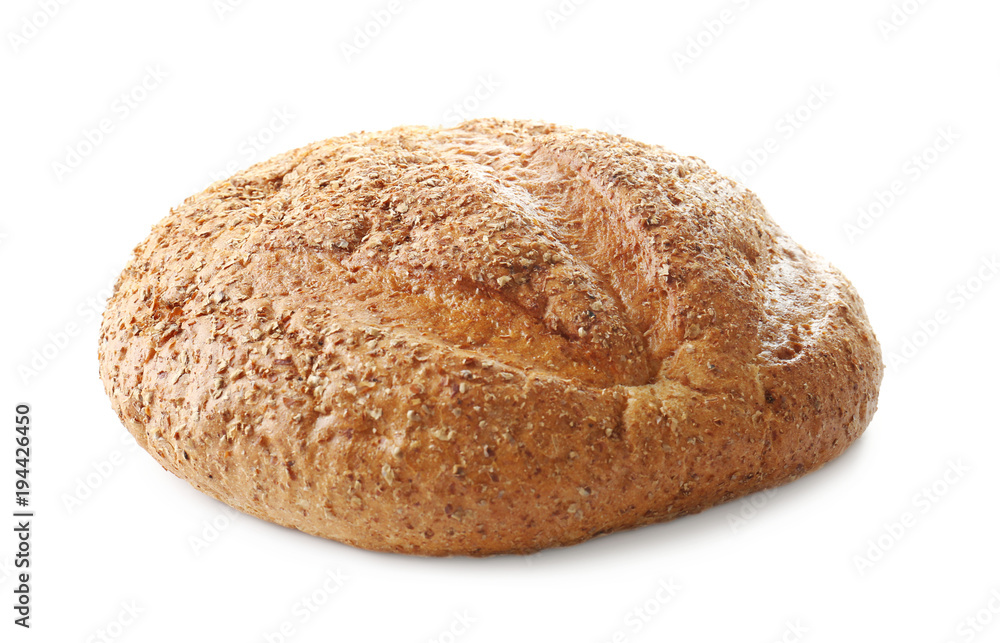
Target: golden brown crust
[[493, 338]]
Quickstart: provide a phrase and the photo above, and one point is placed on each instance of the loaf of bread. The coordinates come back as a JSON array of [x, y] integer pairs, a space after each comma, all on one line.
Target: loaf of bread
[[492, 338]]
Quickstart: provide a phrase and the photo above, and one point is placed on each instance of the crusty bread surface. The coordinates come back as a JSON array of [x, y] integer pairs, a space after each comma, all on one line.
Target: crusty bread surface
[[493, 338]]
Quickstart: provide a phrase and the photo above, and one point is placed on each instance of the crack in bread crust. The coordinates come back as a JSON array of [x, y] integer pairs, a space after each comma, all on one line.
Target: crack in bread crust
[[497, 337]]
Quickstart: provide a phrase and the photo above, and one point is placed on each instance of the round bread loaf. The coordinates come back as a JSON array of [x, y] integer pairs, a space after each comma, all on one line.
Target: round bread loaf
[[492, 338]]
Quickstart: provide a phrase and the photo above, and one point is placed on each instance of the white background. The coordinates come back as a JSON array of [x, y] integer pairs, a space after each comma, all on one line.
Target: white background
[[827, 558]]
